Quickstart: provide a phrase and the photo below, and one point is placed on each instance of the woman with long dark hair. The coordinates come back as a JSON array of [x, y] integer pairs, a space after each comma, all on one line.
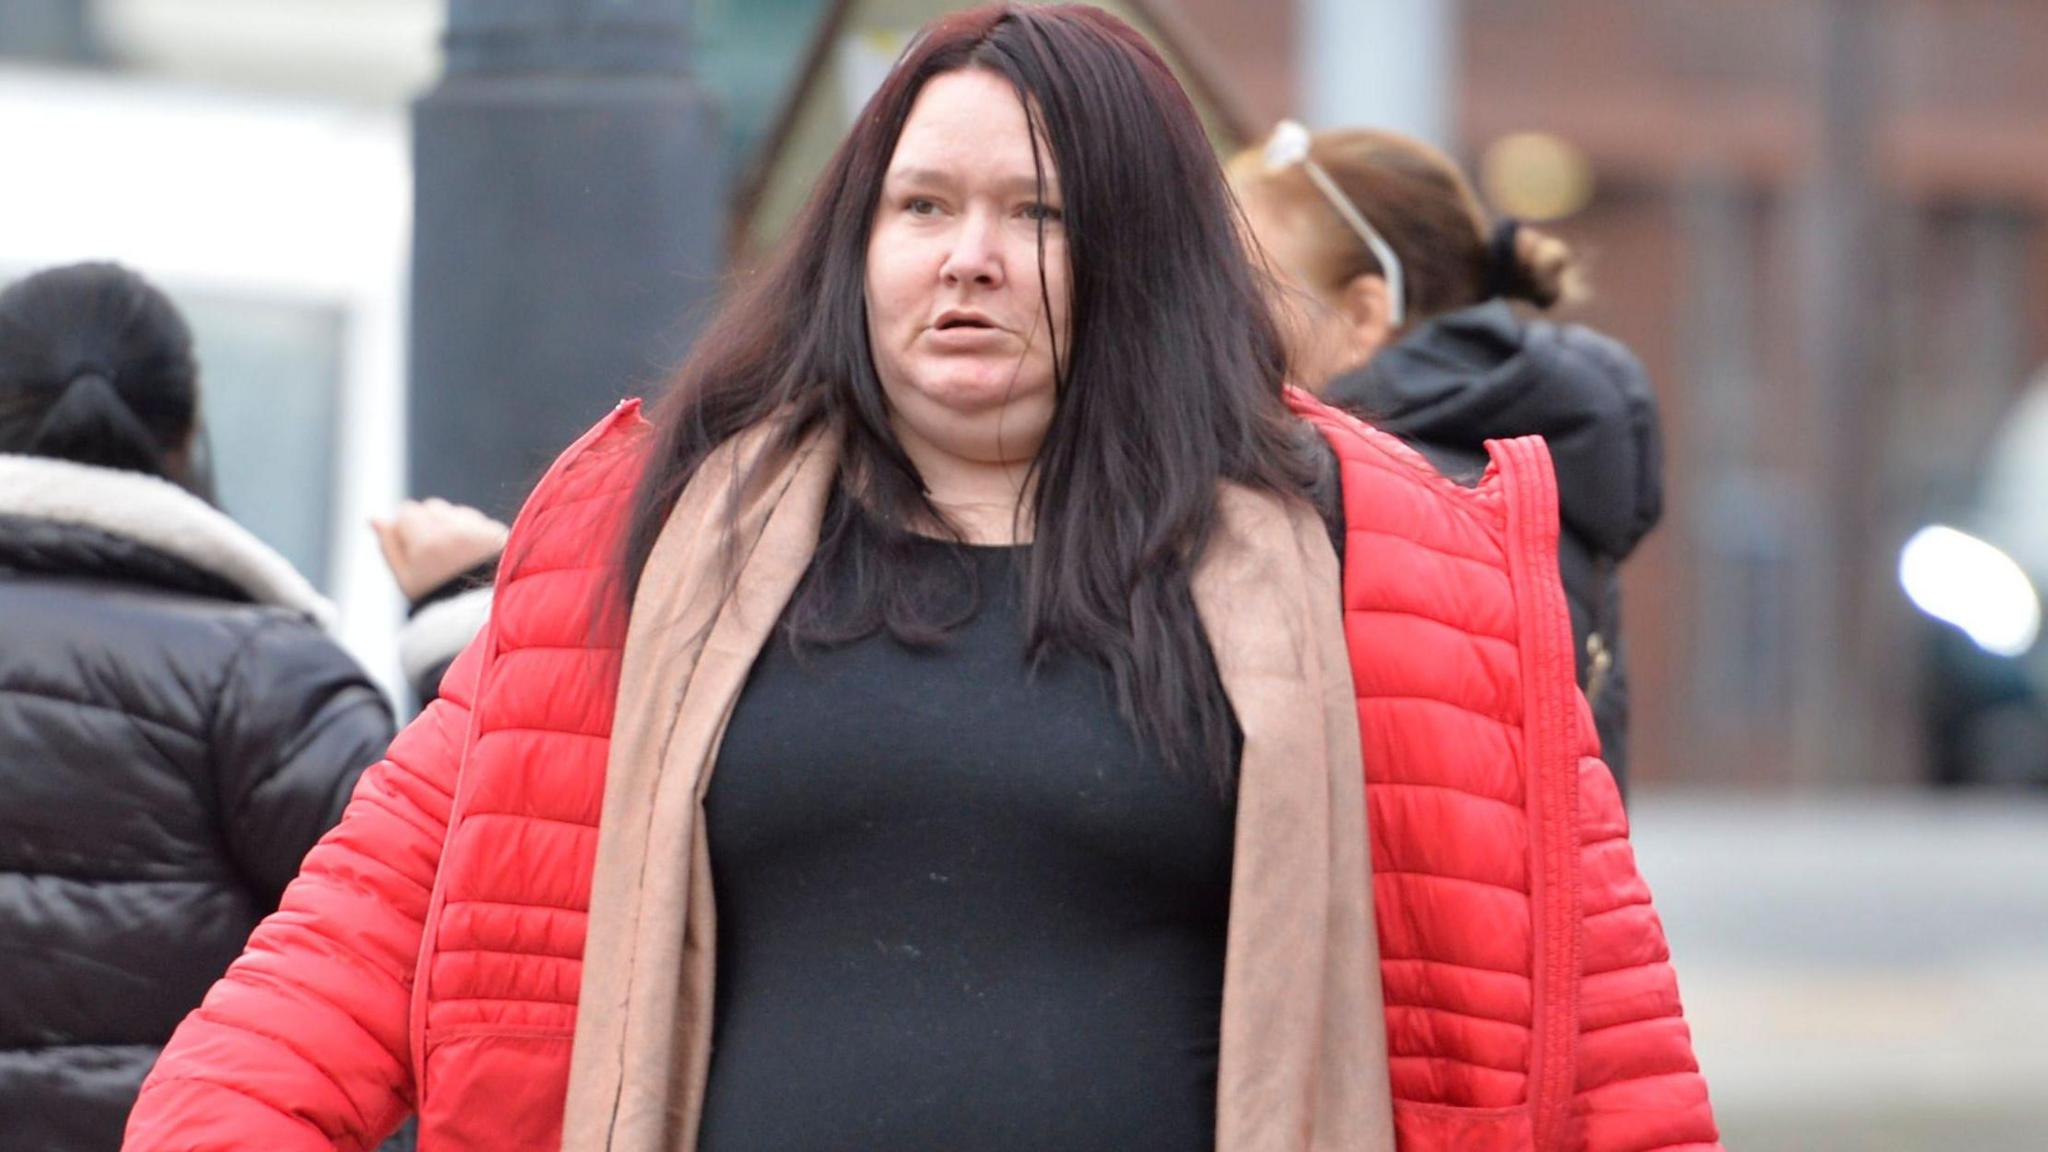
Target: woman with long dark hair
[[945, 725]]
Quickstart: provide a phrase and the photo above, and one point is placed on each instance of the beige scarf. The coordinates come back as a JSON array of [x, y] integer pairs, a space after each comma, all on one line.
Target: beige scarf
[[1303, 1062]]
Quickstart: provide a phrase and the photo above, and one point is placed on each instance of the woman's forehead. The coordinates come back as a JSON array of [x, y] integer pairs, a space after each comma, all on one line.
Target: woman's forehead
[[969, 126]]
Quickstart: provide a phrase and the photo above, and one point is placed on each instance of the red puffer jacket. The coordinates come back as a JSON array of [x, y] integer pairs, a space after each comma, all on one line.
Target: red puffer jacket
[[428, 954]]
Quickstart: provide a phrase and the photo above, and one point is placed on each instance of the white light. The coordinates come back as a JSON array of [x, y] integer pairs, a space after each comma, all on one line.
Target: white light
[[1956, 577]]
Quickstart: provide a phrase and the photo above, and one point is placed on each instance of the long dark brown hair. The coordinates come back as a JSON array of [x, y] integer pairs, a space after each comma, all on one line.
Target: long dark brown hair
[[1171, 381]]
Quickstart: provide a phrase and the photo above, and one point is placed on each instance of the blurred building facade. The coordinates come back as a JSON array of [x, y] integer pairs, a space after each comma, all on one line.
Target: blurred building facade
[[1821, 224]]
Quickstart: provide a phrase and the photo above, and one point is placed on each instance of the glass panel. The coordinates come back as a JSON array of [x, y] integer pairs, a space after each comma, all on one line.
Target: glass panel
[[270, 372]]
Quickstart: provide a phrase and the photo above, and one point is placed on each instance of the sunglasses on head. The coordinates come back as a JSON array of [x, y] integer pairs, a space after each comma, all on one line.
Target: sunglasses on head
[[1287, 147]]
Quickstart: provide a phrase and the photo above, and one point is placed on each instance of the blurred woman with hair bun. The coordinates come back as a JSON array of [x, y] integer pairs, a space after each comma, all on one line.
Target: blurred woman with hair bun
[[1405, 305]]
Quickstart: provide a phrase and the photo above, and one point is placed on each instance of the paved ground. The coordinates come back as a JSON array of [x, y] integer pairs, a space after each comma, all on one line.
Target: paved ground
[[1864, 973]]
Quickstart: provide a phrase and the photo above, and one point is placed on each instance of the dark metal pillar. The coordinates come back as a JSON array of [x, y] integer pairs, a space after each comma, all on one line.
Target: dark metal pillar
[[568, 232]]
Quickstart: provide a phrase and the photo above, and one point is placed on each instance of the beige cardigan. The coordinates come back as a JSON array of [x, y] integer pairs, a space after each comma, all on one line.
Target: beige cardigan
[[1303, 1061]]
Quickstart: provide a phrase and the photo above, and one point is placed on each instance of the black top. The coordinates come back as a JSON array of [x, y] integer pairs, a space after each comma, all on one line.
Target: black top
[[959, 905]]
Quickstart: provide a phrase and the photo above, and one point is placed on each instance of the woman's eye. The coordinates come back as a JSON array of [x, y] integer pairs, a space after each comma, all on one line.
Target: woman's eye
[[919, 206], [1043, 213]]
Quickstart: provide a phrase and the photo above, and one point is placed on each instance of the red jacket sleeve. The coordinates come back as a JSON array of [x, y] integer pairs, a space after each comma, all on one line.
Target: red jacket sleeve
[[1639, 1088], [303, 1044]]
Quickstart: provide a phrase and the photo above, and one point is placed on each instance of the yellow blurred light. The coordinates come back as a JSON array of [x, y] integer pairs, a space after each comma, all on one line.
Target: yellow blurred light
[[1536, 176]]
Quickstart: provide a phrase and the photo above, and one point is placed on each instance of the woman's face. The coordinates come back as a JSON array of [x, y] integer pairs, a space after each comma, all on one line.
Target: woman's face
[[955, 308], [1328, 333]]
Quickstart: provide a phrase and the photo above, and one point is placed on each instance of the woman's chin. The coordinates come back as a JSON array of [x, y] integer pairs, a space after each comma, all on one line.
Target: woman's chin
[[974, 393], [986, 420]]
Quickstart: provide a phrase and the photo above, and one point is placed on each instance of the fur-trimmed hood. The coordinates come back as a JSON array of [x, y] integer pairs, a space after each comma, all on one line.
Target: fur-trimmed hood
[[159, 516]]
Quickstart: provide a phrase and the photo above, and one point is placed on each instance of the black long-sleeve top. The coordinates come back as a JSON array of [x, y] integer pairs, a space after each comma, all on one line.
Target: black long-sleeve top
[[959, 905]]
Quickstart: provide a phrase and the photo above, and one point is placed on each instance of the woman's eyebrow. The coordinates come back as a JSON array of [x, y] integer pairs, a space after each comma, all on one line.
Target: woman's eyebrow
[[1025, 184], [925, 177], [1019, 184]]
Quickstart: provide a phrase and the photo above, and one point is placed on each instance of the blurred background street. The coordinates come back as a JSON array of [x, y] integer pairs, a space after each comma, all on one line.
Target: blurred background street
[[424, 242], [1864, 972]]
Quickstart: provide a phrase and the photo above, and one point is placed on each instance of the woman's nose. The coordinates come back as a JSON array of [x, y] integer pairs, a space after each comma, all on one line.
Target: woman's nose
[[975, 257]]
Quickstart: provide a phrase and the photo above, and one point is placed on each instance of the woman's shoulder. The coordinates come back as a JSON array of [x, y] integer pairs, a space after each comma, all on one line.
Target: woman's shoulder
[[1356, 441], [603, 462], [584, 496], [1386, 487]]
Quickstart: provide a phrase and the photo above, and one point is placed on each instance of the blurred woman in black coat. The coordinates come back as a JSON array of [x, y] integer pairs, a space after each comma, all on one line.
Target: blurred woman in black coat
[[176, 729]]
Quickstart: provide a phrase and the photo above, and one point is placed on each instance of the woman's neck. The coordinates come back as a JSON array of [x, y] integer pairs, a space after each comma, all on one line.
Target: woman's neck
[[998, 522], [989, 502]]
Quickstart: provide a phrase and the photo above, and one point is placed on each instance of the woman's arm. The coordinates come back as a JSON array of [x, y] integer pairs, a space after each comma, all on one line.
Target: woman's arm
[[303, 1045]]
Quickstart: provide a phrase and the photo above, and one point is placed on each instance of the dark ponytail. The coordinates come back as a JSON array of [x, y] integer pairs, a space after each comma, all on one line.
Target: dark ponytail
[[91, 424], [96, 367], [1532, 266]]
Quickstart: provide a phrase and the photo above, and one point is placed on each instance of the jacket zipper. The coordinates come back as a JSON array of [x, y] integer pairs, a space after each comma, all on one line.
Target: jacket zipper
[[1549, 681]]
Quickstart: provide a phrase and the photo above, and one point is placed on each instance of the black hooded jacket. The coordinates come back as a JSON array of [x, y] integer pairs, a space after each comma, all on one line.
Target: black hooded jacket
[[1483, 373], [175, 732]]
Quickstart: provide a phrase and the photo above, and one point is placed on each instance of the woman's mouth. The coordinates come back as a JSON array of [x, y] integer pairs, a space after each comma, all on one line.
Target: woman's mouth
[[964, 331]]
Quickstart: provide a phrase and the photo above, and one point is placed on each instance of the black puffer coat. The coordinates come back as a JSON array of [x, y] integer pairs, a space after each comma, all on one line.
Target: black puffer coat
[[175, 732], [1466, 377]]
